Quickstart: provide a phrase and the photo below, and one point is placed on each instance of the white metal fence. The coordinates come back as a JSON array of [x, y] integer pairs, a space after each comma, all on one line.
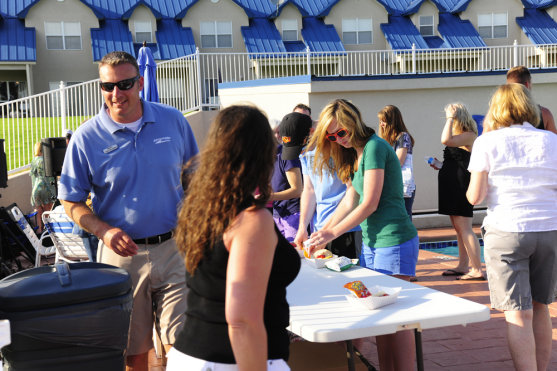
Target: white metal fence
[[191, 82]]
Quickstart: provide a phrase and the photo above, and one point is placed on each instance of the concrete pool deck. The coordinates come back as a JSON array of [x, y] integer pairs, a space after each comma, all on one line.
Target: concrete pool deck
[[480, 346]]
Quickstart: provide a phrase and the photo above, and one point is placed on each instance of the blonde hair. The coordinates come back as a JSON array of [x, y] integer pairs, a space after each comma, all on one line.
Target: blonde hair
[[462, 121], [512, 104], [38, 149], [348, 117]]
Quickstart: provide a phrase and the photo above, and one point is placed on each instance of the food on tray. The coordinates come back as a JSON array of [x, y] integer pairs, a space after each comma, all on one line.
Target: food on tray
[[379, 293], [358, 289], [322, 254], [339, 263]]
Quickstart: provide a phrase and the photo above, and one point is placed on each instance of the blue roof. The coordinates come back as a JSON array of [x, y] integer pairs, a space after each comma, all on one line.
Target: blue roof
[[173, 40], [116, 9], [435, 42], [538, 4], [16, 8], [258, 8], [458, 33], [538, 26], [401, 33], [451, 6], [17, 42], [109, 9], [155, 9], [401, 7], [187, 5], [295, 46], [261, 36], [111, 36], [321, 37], [313, 8]]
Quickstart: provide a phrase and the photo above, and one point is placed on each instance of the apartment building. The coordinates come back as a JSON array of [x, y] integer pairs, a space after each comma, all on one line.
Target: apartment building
[[43, 42]]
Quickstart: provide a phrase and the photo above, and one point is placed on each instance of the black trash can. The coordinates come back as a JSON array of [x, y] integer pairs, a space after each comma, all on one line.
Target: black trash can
[[67, 317]]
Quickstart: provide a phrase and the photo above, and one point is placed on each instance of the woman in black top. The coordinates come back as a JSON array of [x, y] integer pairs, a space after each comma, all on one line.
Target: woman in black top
[[238, 265], [459, 133]]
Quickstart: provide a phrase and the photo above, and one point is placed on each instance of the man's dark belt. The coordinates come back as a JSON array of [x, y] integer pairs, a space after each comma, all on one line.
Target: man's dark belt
[[154, 240]]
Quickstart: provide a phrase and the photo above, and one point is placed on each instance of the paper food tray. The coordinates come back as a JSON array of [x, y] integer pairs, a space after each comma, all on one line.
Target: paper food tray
[[354, 262], [374, 302], [318, 263]]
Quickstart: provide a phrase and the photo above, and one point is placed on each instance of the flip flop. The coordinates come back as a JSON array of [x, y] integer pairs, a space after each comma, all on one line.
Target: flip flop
[[452, 272], [466, 277]]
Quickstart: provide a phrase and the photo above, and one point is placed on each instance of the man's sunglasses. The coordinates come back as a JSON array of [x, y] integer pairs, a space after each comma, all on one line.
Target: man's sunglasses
[[340, 133], [126, 84]]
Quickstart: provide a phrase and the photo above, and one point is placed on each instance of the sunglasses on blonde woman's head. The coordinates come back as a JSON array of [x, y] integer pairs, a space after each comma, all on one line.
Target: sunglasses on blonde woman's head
[[126, 84], [340, 133]]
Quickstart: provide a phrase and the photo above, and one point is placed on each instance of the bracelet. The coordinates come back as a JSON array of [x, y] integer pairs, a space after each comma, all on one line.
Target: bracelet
[[451, 117]]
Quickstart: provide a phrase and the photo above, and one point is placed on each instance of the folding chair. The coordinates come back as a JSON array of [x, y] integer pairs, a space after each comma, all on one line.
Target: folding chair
[[38, 244], [69, 246]]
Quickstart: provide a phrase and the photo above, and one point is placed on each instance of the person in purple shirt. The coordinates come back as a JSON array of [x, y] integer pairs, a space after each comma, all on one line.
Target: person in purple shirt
[[286, 181]]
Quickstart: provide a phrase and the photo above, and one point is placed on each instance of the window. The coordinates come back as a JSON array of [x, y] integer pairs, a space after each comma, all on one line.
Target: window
[[356, 31], [426, 25], [290, 30], [143, 32], [12, 90], [63, 35], [492, 25], [216, 34]]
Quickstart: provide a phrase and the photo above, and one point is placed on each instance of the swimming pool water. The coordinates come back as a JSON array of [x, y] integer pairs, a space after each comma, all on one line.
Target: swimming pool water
[[448, 248]]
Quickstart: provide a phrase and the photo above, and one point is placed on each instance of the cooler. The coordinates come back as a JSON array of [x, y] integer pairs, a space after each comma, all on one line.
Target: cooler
[[67, 317]]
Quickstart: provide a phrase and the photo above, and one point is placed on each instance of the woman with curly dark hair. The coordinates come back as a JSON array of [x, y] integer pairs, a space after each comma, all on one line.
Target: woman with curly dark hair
[[238, 264]]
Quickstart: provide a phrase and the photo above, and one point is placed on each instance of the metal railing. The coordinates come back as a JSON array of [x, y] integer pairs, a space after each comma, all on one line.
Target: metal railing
[[191, 82]]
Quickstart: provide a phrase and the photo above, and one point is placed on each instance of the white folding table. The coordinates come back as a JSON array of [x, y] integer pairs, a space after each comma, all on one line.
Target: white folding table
[[320, 312]]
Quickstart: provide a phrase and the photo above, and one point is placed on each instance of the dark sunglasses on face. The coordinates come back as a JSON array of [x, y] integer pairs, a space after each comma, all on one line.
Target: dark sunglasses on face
[[340, 133], [126, 84]]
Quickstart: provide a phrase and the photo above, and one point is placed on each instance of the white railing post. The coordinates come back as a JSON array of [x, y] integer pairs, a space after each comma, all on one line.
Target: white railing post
[[308, 60], [199, 82], [63, 106], [414, 58], [515, 54]]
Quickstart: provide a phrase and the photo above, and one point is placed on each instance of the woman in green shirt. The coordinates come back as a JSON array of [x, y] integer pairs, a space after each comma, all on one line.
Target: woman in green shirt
[[374, 200]]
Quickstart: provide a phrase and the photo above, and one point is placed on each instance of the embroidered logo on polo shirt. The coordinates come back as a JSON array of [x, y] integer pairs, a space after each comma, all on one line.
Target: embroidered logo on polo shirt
[[161, 140]]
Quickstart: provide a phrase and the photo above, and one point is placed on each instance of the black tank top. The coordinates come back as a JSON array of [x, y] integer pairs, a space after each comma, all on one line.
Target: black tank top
[[205, 333]]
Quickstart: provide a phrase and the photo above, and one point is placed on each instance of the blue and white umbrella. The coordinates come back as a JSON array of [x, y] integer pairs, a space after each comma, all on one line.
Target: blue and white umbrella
[[148, 69]]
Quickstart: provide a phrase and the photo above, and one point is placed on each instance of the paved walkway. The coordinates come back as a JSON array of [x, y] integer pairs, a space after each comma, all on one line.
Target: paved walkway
[[479, 346]]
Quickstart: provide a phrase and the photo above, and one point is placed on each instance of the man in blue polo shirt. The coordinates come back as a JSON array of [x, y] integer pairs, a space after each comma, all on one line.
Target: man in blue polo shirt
[[130, 158]]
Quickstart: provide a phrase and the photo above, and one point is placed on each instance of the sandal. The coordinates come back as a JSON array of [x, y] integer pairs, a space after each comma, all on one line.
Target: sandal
[[452, 272], [467, 277]]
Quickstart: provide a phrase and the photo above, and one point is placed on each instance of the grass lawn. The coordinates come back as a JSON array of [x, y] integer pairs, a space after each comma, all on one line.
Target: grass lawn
[[21, 134]]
